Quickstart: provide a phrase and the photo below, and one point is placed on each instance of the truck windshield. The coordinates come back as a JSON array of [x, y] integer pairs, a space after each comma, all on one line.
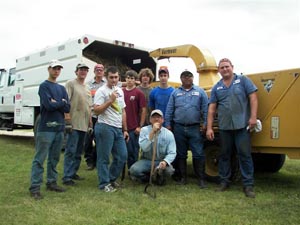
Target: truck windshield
[[12, 77], [2, 77]]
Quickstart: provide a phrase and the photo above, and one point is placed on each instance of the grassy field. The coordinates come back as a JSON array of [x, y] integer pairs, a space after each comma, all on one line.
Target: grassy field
[[277, 200]]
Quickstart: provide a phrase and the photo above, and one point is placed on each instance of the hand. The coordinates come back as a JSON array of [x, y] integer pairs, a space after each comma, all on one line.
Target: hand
[[113, 96], [203, 129], [90, 130], [156, 127], [126, 136], [210, 134], [252, 123], [137, 130], [162, 165]]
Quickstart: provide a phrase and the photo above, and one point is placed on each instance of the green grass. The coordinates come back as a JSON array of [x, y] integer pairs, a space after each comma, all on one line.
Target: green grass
[[277, 201]]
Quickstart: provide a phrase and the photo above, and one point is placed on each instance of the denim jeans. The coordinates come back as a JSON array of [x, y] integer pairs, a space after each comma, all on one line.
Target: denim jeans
[[188, 137], [142, 168], [73, 152], [132, 148], [47, 143], [90, 153], [109, 141], [239, 139]]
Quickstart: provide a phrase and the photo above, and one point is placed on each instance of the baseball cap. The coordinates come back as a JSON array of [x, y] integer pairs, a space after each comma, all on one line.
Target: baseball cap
[[186, 73], [163, 69], [157, 111], [99, 66], [54, 63], [81, 65]]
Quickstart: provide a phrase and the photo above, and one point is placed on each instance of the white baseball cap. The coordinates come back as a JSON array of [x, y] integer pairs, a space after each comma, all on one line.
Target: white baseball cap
[[54, 63]]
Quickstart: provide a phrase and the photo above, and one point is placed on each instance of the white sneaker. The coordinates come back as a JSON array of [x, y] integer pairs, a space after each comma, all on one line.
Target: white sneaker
[[109, 188]]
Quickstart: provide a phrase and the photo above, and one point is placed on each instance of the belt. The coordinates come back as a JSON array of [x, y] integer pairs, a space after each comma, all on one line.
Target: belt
[[188, 125]]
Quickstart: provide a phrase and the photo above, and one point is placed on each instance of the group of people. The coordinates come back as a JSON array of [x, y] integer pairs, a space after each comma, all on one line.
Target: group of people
[[123, 118]]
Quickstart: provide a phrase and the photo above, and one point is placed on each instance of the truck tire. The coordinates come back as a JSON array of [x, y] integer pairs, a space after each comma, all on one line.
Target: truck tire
[[270, 163], [212, 151]]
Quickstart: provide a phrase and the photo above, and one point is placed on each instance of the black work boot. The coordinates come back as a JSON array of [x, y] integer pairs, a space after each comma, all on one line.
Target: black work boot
[[199, 170], [249, 192], [176, 175], [182, 171]]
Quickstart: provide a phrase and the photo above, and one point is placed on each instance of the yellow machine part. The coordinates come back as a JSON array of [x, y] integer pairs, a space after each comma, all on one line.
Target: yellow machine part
[[204, 62], [278, 96], [279, 110]]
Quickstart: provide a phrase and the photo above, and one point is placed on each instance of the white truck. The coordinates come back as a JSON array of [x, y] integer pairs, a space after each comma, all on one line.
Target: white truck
[[19, 100]]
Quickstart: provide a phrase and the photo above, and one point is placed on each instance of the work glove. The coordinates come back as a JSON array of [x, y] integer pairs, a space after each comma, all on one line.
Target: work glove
[[90, 131]]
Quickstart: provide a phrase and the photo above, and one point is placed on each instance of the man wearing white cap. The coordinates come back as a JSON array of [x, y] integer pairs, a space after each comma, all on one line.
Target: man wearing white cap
[[54, 102], [165, 149]]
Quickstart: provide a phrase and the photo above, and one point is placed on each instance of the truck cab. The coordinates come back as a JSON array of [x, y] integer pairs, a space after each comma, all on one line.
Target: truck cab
[[7, 97]]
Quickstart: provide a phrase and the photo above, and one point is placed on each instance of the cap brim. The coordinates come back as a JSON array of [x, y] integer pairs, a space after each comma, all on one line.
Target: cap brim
[[56, 65]]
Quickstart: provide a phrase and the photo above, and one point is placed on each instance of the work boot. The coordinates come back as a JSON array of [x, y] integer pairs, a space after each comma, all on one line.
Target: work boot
[[182, 171], [159, 177], [36, 195], [54, 187], [222, 187], [249, 192], [176, 175], [199, 170]]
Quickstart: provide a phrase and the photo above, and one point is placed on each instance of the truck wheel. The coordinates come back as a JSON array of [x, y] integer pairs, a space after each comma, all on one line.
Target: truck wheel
[[212, 151], [270, 163]]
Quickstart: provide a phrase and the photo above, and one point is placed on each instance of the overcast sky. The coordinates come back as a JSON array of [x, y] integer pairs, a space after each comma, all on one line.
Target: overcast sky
[[257, 35]]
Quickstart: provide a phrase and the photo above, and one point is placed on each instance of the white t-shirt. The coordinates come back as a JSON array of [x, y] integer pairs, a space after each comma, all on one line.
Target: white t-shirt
[[113, 114]]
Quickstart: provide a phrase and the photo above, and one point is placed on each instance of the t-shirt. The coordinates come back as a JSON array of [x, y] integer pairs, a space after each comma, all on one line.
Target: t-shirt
[[146, 92], [113, 114], [135, 100], [159, 97], [81, 103]]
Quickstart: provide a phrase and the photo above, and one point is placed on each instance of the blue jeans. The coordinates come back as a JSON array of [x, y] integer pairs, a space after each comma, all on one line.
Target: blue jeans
[[141, 169], [47, 143], [73, 152], [132, 148], [110, 141], [188, 137], [239, 139]]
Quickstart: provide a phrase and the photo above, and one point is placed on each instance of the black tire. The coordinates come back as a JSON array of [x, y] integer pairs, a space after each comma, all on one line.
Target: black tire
[[212, 151], [270, 163]]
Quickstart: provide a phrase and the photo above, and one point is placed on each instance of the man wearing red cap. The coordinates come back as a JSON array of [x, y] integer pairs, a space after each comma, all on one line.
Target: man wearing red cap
[[159, 96]]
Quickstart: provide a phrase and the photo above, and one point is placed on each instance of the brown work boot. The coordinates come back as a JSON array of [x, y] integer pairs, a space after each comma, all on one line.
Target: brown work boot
[[249, 192]]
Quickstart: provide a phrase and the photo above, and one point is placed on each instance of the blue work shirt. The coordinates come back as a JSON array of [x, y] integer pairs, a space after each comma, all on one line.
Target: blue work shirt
[[233, 102], [165, 148], [187, 107]]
